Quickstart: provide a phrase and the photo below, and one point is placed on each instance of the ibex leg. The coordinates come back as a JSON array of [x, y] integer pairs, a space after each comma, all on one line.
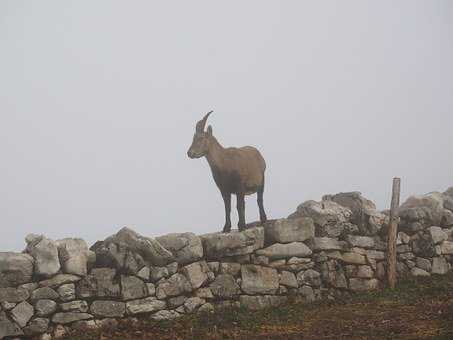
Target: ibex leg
[[227, 201], [241, 211]]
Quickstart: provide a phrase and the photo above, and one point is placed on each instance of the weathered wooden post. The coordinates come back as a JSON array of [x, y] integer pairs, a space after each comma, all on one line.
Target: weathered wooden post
[[392, 233]]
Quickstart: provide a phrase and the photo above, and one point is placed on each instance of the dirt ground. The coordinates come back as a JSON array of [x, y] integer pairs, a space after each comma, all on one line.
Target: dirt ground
[[417, 309]]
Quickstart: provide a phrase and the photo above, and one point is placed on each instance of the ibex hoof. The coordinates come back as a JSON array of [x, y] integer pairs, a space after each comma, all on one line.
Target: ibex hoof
[[226, 230]]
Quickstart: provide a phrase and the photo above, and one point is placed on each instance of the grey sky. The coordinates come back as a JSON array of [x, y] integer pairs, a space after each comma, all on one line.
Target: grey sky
[[99, 99]]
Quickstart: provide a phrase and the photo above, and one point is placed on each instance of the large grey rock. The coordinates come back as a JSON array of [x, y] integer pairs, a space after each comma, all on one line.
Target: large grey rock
[[309, 277], [45, 307], [36, 326], [261, 302], [132, 288], [100, 283], [440, 266], [149, 249], [419, 212], [165, 315], [13, 294], [146, 305], [424, 264], [415, 271], [74, 255], [446, 248], [423, 245], [192, 304], [44, 293], [326, 243], [259, 280], [224, 287], [353, 258], [364, 213], [230, 268], [15, 269], [360, 241], [45, 253], [437, 234], [9, 328], [176, 284], [22, 313], [108, 309], [69, 317], [196, 273], [323, 213], [289, 230], [282, 251], [59, 279], [75, 306], [118, 256], [157, 273], [288, 279], [220, 245], [67, 292], [361, 285], [185, 247]]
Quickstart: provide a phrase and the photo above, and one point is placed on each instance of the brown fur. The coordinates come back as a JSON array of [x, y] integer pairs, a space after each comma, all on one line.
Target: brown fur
[[238, 171]]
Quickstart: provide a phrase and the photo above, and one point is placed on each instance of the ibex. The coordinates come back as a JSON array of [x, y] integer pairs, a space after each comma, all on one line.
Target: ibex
[[238, 171]]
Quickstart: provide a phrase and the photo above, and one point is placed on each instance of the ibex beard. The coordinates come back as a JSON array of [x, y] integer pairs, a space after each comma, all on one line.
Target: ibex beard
[[236, 171]]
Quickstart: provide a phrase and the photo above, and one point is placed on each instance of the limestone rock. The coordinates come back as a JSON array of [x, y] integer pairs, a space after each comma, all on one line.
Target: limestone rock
[[132, 288], [323, 213], [353, 258], [177, 284], [326, 243], [74, 255], [13, 294], [44, 293], [220, 245], [288, 279], [67, 292], [45, 307], [437, 234], [289, 230], [365, 272], [230, 268], [100, 283], [108, 309], [424, 264], [117, 256], [144, 273], [282, 251], [157, 273], [185, 247], [192, 304], [69, 317], [149, 249], [196, 273], [22, 313], [75, 306], [146, 305], [259, 280], [9, 328], [45, 253], [15, 269], [58, 280], [36, 326], [419, 272], [261, 302], [420, 211], [309, 277], [360, 241], [165, 315], [446, 248], [364, 213], [224, 287], [440, 266]]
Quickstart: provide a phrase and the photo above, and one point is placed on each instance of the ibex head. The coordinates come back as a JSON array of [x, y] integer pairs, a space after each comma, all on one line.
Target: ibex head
[[199, 147]]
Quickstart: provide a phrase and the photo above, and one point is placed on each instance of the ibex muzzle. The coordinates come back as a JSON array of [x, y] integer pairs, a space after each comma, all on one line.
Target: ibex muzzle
[[238, 171]]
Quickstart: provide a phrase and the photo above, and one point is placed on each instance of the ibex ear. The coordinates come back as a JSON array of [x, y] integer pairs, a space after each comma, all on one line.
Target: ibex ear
[[209, 131]]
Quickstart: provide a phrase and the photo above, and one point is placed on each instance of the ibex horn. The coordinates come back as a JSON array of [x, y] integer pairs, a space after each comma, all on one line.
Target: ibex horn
[[202, 123]]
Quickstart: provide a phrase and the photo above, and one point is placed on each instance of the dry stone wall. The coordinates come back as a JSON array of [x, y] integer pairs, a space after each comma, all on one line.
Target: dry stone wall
[[324, 250]]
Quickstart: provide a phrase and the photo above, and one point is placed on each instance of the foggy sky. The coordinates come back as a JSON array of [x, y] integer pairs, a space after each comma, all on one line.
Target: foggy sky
[[99, 100]]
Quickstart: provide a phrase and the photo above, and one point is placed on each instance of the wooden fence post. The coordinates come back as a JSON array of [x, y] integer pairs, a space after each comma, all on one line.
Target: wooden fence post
[[392, 233]]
